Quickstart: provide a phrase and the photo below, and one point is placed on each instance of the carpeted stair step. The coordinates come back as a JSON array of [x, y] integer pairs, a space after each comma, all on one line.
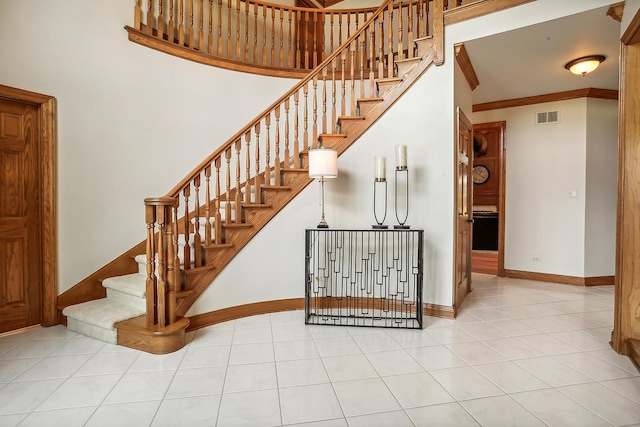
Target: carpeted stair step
[[96, 318], [129, 289]]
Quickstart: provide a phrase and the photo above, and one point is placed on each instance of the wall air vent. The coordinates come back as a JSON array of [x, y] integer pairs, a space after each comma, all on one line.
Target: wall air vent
[[547, 117]]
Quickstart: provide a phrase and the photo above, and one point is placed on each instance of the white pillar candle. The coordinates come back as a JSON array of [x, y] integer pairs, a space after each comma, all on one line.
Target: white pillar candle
[[401, 156], [380, 168]]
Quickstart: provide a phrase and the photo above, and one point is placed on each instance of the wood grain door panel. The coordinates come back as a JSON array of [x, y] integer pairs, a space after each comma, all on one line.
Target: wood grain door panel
[[464, 210], [20, 222]]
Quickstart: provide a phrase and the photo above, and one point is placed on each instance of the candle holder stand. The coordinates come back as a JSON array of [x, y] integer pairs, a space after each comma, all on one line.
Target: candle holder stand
[[380, 224], [401, 223]]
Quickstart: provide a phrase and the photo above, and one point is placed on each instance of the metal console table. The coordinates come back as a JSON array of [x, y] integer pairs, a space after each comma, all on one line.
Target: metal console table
[[367, 277]]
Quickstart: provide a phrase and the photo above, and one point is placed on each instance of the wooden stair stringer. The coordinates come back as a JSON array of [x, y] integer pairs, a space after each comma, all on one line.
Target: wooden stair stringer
[[297, 181]]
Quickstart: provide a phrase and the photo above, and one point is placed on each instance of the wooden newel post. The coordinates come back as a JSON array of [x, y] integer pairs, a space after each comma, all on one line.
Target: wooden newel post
[[162, 277]]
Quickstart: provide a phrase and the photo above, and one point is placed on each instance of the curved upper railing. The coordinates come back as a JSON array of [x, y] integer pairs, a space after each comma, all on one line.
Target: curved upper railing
[[259, 36]]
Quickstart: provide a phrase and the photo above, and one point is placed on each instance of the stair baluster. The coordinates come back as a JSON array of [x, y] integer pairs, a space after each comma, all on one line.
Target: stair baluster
[[197, 239], [207, 206], [161, 23], [257, 184], [192, 42], [276, 169], [238, 192]]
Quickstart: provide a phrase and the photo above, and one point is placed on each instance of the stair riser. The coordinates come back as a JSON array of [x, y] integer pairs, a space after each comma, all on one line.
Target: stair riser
[[109, 336], [405, 68], [127, 299]]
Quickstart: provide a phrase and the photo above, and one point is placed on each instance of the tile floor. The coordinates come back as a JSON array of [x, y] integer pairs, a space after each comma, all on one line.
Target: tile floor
[[520, 353]]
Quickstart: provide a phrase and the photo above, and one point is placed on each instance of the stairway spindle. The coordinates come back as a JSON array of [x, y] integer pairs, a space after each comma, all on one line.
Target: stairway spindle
[[160, 32], [267, 150], [264, 35], [229, 42], [257, 185], [247, 182], [192, 44], [286, 157], [363, 50], [290, 50], [296, 142], [238, 27], [314, 117], [281, 53], [305, 135], [137, 16], [218, 219], [238, 195], [410, 44], [381, 49], [400, 35], [255, 33], [227, 206], [246, 31], [372, 60], [181, 25], [276, 162], [272, 61], [334, 97], [352, 94], [201, 27], [197, 239], [219, 51], [171, 30], [324, 100], [186, 192], [210, 38], [207, 206], [314, 56], [390, 41]]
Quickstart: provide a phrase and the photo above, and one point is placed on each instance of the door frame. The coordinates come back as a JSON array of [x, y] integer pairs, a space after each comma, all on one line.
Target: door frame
[[625, 337], [502, 171], [47, 139]]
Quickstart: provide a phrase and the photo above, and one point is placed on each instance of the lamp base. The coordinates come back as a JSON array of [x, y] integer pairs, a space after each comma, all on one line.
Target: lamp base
[[379, 226], [402, 227]]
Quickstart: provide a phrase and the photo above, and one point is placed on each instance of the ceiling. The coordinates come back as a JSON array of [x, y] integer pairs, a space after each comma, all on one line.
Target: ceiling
[[530, 61]]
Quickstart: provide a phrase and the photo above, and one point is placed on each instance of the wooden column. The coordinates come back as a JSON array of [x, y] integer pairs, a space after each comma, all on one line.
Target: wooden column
[[625, 338], [438, 32]]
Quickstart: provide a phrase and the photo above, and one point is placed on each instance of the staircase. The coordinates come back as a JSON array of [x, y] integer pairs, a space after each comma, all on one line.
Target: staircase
[[199, 226]]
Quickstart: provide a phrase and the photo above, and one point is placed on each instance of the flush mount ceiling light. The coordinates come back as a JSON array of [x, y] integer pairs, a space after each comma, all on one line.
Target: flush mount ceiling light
[[584, 65]]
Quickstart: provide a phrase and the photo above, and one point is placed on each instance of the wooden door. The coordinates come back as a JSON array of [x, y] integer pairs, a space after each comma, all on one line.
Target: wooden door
[[464, 210], [20, 222]]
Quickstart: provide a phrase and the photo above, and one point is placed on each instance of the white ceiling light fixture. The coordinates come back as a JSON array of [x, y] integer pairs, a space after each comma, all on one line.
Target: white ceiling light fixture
[[586, 64]]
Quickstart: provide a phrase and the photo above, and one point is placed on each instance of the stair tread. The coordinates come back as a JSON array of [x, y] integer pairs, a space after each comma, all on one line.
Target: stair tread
[[389, 80], [102, 312], [414, 59], [132, 284]]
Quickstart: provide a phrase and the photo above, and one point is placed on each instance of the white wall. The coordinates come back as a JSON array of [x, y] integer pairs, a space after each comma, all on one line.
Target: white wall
[[272, 264], [131, 121], [601, 187], [569, 236], [631, 7]]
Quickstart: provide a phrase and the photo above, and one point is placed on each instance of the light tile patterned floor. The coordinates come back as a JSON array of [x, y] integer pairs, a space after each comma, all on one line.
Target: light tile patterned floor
[[520, 353]]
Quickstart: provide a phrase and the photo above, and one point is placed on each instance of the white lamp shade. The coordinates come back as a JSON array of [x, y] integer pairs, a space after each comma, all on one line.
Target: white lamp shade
[[323, 163]]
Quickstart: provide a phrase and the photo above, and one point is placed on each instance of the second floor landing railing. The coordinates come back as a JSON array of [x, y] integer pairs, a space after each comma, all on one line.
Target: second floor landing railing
[[249, 35]]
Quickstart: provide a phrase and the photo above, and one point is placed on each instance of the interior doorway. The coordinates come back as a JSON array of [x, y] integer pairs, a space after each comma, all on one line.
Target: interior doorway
[[488, 198], [28, 271]]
